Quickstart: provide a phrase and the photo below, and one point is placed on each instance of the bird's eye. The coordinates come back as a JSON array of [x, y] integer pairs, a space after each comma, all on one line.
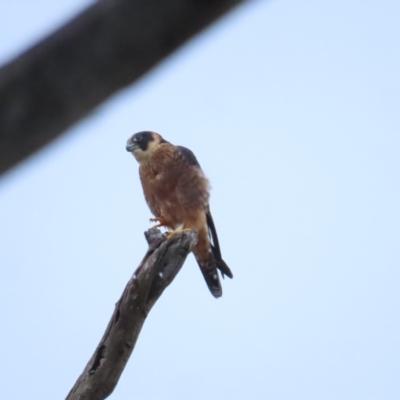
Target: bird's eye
[[137, 138]]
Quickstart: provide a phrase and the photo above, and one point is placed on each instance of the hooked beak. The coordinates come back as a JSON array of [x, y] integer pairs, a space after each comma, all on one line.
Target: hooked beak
[[131, 146]]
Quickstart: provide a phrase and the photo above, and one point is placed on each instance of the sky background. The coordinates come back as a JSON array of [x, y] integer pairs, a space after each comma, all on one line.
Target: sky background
[[293, 110]]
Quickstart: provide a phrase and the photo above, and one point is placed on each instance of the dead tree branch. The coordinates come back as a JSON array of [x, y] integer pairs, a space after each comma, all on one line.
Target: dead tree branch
[[110, 45], [159, 267]]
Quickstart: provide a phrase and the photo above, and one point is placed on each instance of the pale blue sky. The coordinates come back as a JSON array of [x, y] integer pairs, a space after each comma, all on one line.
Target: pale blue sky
[[293, 110]]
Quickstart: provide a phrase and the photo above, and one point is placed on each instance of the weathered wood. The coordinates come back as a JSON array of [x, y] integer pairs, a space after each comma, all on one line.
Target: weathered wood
[[159, 267], [110, 45]]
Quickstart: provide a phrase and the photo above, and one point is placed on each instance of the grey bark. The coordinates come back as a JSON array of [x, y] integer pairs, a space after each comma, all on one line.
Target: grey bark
[[110, 45], [159, 267]]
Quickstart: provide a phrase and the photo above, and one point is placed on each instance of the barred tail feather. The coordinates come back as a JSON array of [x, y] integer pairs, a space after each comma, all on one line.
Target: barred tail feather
[[208, 256], [210, 273]]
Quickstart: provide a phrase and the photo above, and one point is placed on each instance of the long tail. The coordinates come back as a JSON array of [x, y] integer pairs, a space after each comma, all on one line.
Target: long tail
[[208, 256], [216, 251], [210, 273]]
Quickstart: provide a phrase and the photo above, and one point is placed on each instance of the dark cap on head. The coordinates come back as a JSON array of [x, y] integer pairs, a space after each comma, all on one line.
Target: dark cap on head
[[139, 140]]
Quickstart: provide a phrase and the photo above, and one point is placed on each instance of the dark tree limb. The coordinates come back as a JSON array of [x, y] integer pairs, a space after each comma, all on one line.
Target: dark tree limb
[[159, 267], [110, 45]]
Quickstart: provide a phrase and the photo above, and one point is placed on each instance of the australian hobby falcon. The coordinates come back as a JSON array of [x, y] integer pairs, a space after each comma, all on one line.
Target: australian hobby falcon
[[177, 193]]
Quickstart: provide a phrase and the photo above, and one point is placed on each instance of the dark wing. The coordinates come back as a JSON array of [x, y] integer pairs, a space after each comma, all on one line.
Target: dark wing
[[216, 251], [189, 156]]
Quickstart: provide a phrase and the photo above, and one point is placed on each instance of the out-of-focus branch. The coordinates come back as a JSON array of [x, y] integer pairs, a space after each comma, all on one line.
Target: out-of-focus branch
[[110, 45], [159, 267]]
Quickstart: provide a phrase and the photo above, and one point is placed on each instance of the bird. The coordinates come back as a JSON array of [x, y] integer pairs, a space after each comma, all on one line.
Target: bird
[[177, 193]]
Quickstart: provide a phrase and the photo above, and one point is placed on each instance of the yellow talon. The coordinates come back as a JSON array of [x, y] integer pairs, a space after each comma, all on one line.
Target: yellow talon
[[175, 231]]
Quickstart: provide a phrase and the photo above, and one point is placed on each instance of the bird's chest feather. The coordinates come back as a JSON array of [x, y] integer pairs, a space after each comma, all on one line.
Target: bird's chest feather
[[159, 180], [174, 190]]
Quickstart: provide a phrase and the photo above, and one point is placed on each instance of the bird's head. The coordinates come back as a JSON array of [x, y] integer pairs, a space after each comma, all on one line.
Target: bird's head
[[143, 144]]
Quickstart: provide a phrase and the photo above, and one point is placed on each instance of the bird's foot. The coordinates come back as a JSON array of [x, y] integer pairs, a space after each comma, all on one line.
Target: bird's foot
[[160, 222], [175, 231]]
